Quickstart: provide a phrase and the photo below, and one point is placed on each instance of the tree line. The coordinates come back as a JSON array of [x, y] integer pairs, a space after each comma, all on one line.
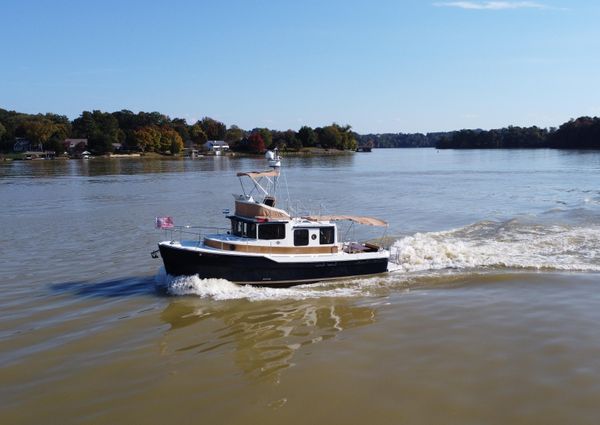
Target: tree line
[[156, 132], [400, 140], [580, 133]]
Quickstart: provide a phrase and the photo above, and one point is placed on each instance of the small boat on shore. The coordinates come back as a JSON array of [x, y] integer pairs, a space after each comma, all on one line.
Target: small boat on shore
[[269, 246]]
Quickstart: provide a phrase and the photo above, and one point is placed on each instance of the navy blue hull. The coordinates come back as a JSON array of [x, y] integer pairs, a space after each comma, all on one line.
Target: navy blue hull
[[261, 270]]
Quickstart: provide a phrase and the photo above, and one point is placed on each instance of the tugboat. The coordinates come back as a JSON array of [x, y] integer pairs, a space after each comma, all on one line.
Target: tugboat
[[267, 246]]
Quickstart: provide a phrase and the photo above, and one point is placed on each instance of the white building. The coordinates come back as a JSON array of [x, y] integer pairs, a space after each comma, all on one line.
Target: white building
[[216, 146]]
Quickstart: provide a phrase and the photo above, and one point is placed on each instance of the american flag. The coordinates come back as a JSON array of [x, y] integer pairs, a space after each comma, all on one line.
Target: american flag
[[164, 222]]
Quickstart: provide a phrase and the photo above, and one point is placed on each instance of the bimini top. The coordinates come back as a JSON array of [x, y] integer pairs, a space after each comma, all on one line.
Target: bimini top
[[369, 221], [259, 174]]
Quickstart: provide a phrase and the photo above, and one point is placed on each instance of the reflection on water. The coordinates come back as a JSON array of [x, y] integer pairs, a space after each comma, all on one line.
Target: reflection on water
[[264, 335], [136, 165]]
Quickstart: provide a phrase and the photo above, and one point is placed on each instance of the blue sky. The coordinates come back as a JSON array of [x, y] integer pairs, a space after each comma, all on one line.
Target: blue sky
[[380, 66]]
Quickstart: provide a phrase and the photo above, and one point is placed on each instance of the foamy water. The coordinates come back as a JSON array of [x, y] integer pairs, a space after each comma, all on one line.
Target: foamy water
[[221, 289], [511, 245]]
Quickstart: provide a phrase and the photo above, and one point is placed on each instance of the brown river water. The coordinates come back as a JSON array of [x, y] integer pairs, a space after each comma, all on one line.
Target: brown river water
[[490, 316]]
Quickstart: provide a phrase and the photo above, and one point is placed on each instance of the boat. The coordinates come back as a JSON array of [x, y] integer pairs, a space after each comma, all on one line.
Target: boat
[[269, 246]]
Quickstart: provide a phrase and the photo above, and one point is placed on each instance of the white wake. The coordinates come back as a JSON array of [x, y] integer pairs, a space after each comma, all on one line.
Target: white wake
[[500, 245]]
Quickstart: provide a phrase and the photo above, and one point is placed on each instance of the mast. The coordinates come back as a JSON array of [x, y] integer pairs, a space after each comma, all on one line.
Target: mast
[[274, 161], [264, 182]]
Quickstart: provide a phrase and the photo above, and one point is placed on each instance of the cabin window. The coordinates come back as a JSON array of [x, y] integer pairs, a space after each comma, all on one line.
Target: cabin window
[[243, 229], [250, 230], [326, 235], [236, 227], [271, 231], [301, 237]]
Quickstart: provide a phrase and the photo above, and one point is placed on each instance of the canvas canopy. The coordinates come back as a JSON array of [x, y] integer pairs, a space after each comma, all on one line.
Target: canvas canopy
[[369, 221], [258, 174], [254, 210]]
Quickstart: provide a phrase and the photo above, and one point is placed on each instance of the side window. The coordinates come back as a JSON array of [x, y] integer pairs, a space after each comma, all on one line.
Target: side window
[[236, 228], [326, 235], [251, 230], [271, 231], [301, 237], [243, 229]]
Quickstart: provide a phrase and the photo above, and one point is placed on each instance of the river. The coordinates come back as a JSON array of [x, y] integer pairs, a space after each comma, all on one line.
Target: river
[[489, 316]]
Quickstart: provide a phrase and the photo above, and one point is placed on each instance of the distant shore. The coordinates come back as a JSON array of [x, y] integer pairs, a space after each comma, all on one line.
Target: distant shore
[[154, 155]]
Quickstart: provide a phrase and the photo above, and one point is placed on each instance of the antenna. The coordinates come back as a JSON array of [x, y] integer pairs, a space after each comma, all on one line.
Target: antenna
[[273, 158]]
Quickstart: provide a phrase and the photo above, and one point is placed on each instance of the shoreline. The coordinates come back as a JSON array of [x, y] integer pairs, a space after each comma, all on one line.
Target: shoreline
[[152, 155]]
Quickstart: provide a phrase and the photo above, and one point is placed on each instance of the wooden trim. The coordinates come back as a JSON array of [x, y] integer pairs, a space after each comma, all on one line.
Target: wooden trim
[[226, 246]]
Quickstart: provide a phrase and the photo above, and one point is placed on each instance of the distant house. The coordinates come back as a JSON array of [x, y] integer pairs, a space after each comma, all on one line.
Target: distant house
[[38, 155], [24, 145], [75, 146], [216, 146], [191, 153], [117, 147]]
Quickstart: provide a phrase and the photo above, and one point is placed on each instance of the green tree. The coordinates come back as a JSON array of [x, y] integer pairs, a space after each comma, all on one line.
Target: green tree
[[144, 119], [100, 128], [286, 140], [307, 136], [329, 137], [348, 139], [214, 130], [127, 119], [181, 127], [4, 142], [197, 134], [234, 135]]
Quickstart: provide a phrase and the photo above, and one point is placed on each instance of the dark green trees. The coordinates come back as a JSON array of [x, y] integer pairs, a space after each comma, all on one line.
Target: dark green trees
[[307, 136], [100, 128], [504, 138], [582, 133], [214, 130]]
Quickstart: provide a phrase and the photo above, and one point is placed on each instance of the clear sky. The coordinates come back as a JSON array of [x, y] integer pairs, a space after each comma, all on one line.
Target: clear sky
[[380, 66]]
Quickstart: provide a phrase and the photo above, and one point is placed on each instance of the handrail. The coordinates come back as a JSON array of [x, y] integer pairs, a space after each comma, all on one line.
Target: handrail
[[197, 231]]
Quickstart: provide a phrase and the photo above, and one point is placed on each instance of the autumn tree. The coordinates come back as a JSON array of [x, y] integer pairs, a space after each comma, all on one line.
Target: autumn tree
[[38, 130], [147, 139], [266, 135], [170, 140], [256, 143]]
